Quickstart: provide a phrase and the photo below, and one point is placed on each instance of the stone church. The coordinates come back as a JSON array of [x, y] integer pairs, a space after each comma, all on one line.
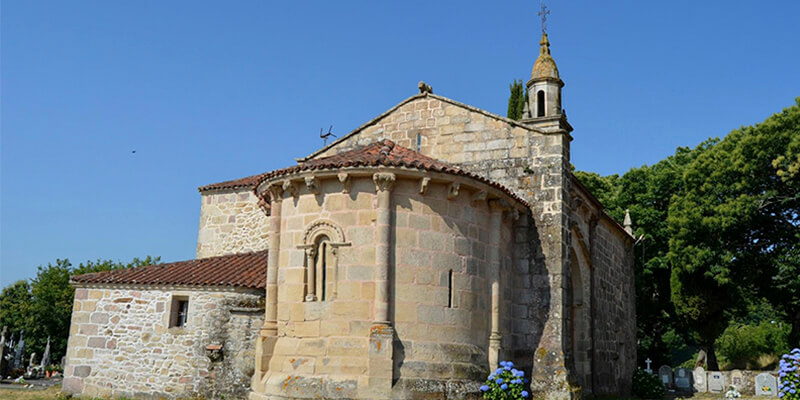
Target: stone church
[[403, 260]]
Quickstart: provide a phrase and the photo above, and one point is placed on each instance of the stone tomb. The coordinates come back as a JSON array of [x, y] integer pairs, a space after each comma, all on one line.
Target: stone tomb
[[737, 379], [683, 380], [665, 375], [700, 382], [716, 382], [766, 385]]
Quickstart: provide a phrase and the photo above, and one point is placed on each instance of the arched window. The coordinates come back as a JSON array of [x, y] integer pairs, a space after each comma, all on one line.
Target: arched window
[[321, 242], [540, 103]]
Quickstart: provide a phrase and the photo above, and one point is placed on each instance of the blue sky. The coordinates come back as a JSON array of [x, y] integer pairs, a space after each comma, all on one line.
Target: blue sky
[[210, 91]]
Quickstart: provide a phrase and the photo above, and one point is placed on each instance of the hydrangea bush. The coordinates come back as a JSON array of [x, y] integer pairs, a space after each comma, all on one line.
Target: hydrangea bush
[[789, 372], [505, 383]]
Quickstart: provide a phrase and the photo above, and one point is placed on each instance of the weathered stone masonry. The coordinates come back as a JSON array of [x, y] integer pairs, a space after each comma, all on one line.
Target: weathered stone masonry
[[121, 345], [231, 222]]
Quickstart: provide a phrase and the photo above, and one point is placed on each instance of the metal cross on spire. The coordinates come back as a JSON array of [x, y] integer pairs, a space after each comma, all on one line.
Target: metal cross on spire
[[544, 13]]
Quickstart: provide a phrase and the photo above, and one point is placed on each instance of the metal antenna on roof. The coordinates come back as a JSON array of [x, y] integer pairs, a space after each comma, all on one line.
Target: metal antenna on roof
[[325, 136]]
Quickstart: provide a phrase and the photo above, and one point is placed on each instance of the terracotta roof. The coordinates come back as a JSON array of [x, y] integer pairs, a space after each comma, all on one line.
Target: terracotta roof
[[246, 182], [383, 153], [248, 270]]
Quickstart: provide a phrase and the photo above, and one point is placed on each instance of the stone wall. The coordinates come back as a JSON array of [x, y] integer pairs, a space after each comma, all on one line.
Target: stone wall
[[615, 310], [121, 344], [231, 222]]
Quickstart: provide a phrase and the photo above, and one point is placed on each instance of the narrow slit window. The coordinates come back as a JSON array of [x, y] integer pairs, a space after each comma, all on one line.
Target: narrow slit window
[[450, 291], [540, 103], [419, 142]]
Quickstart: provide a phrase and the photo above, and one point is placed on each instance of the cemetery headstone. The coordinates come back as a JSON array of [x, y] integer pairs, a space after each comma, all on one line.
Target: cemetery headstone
[[700, 382], [766, 385], [716, 382], [648, 361], [665, 375], [737, 379], [683, 379]]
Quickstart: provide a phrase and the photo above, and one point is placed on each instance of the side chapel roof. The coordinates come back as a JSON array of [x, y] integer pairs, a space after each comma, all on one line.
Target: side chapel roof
[[245, 270]]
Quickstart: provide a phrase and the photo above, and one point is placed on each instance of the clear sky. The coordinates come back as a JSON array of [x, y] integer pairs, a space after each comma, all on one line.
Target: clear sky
[[211, 91]]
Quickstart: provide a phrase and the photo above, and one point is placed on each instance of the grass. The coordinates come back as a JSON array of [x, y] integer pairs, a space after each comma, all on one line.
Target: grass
[[29, 394]]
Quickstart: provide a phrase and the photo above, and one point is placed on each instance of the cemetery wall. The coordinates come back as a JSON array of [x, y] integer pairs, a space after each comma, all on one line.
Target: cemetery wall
[[231, 222], [121, 342], [614, 311]]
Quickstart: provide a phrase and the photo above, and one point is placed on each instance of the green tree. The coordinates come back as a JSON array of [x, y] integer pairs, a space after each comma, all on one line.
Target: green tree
[[15, 307], [733, 228], [517, 100]]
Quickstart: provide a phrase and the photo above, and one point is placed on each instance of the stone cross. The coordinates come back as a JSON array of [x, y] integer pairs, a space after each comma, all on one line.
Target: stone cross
[[544, 13], [648, 361]]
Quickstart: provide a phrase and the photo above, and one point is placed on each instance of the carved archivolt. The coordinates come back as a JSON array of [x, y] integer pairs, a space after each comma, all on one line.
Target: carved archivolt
[[323, 227]]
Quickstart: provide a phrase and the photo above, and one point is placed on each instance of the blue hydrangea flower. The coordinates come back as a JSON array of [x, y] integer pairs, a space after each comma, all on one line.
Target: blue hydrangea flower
[[524, 394], [484, 388], [504, 386], [498, 381]]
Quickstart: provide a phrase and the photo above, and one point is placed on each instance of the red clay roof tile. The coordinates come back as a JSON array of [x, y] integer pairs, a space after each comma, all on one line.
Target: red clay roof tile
[[247, 270]]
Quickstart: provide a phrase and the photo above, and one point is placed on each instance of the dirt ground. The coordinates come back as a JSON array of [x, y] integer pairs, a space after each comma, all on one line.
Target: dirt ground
[[17, 392]]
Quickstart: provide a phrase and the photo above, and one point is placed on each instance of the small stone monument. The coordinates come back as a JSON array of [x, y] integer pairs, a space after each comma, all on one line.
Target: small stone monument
[[737, 379], [20, 349], [648, 369], [32, 361], [683, 380], [665, 375], [716, 382], [46, 356], [700, 382], [766, 385]]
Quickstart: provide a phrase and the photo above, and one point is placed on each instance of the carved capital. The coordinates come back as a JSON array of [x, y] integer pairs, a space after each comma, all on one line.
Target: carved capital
[[275, 192], [312, 184], [311, 252], [265, 205], [499, 205], [452, 190], [423, 184], [384, 181], [344, 179]]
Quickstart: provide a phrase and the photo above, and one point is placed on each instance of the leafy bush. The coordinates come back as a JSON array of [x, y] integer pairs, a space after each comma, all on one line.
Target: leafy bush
[[647, 386], [790, 376], [505, 383], [742, 345]]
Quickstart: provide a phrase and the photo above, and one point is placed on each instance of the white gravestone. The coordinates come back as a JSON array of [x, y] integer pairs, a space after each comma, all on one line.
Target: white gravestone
[[716, 382], [700, 383], [683, 379], [665, 375], [737, 379], [648, 370], [766, 385]]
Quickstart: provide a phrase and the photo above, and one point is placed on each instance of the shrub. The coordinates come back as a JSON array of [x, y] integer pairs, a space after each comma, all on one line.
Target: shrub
[[647, 386], [789, 371], [505, 383], [742, 345]]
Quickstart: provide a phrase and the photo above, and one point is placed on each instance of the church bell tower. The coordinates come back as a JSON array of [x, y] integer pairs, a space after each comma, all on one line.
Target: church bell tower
[[543, 109]]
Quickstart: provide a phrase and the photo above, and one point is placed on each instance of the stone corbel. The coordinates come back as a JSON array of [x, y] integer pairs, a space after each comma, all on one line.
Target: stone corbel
[[275, 193], [265, 205], [452, 190], [290, 187], [344, 179], [423, 184], [384, 181], [312, 184], [478, 197]]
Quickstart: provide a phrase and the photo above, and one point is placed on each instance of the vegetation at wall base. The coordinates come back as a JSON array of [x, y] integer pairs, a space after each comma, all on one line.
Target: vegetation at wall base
[[647, 386], [505, 383]]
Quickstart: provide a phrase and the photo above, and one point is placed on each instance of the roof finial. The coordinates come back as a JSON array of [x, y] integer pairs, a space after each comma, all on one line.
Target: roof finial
[[544, 13], [627, 222]]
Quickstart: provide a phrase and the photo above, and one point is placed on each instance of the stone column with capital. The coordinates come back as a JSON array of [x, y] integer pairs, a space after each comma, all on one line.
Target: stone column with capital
[[311, 274], [378, 382], [496, 208], [268, 334]]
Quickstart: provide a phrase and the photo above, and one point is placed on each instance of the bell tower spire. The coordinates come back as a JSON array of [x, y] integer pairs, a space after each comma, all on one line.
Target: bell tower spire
[[544, 88]]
